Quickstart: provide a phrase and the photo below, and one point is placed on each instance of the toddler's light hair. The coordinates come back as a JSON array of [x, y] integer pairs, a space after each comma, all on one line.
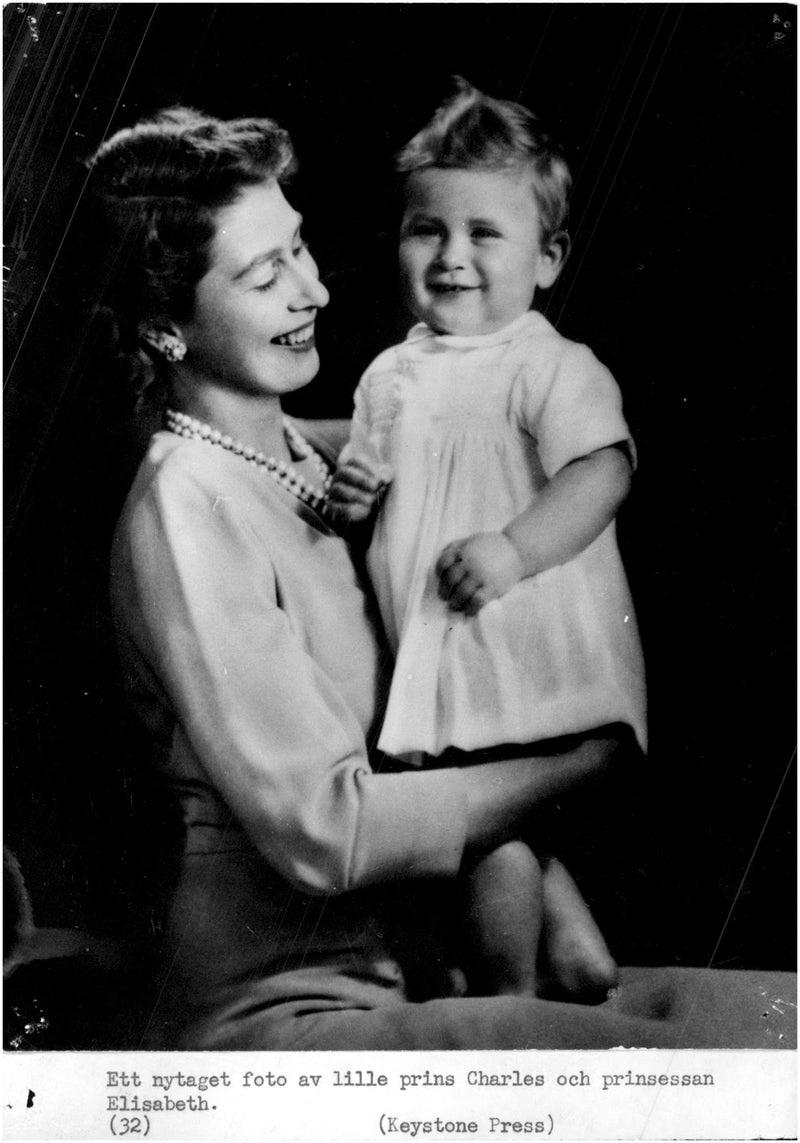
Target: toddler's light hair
[[473, 131]]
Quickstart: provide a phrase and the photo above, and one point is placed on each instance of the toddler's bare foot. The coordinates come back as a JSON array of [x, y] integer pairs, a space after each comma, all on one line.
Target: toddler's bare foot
[[577, 960]]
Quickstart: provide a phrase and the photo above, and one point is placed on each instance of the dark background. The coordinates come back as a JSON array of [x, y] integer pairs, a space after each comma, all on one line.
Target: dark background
[[680, 124]]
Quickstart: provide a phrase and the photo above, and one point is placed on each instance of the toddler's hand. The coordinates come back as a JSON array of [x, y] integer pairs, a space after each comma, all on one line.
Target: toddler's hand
[[476, 570], [355, 490]]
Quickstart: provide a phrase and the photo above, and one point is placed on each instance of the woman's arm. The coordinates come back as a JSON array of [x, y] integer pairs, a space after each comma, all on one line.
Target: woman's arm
[[501, 796], [573, 509]]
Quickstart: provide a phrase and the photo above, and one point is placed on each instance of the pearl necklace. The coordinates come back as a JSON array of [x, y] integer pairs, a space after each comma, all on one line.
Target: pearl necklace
[[281, 472]]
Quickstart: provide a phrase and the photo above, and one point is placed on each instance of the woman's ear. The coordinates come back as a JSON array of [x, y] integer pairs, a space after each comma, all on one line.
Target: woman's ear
[[554, 255], [165, 338]]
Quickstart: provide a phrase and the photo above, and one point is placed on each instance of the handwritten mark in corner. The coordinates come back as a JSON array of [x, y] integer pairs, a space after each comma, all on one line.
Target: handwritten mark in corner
[[777, 36]]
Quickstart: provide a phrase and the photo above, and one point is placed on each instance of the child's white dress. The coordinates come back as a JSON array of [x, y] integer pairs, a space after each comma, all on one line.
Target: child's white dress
[[473, 428]]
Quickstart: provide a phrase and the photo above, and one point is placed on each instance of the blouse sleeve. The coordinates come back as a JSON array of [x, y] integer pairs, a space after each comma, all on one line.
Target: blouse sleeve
[[268, 726], [573, 408]]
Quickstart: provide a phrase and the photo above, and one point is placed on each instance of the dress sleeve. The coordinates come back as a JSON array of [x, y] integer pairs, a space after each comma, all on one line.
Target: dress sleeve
[[267, 725], [359, 444], [375, 404], [572, 407]]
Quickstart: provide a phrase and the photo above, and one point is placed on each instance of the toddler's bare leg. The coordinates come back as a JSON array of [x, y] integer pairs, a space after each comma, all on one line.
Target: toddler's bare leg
[[503, 920], [576, 955]]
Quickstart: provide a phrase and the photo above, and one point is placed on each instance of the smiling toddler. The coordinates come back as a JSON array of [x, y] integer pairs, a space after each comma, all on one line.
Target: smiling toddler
[[492, 455]]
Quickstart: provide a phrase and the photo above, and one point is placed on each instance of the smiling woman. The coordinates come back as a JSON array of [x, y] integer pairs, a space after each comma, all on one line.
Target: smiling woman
[[247, 330], [252, 329]]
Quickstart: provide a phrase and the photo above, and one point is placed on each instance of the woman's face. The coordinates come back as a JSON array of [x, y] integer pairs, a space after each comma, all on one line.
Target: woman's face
[[252, 329]]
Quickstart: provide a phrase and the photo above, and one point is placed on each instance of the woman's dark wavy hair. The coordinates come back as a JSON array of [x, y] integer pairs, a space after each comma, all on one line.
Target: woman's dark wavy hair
[[473, 131], [154, 191]]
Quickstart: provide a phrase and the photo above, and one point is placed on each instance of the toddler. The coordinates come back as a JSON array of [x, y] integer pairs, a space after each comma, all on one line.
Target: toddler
[[497, 454]]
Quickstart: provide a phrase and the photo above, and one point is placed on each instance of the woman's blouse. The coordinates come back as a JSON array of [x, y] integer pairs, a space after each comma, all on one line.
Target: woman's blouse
[[249, 649]]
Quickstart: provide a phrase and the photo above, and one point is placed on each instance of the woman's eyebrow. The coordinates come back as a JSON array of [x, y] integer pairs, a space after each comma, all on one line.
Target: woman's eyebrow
[[259, 260], [268, 255]]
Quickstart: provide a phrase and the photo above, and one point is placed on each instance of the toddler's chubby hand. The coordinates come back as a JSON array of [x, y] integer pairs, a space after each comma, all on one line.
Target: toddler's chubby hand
[[356, 489], [476, 570]]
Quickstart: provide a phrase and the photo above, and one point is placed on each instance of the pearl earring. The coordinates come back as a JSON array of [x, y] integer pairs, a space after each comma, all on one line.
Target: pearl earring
[[173, 349]]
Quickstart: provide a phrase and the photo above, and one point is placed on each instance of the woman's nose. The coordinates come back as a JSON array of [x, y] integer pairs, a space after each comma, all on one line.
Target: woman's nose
[[310, 290]]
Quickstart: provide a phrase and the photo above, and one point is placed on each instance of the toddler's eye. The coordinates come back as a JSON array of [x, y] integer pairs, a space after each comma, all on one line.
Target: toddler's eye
[[423, 230], [485, 232], [300, 247]]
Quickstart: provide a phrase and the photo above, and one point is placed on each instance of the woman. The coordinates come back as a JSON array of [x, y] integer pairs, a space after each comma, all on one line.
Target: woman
[[249, 649]]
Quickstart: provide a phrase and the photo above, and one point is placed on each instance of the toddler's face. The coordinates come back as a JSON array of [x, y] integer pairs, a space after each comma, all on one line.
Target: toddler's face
[[470, 253]]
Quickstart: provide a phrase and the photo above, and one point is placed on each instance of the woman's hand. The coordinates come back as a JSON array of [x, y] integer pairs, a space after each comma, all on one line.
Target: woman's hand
[[476, 570], [356, 490]]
